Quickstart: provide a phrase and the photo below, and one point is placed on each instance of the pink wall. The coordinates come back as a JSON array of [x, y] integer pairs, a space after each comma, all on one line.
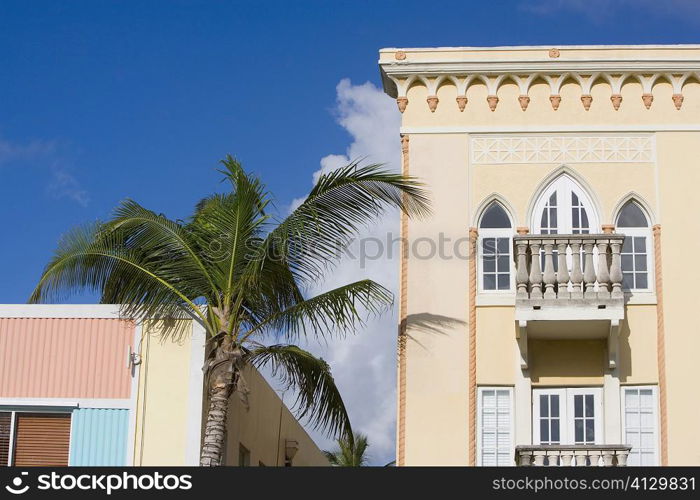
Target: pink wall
[[64, 358]]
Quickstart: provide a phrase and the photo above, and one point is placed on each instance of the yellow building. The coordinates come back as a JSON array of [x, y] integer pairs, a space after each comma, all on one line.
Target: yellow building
[[546, 313]]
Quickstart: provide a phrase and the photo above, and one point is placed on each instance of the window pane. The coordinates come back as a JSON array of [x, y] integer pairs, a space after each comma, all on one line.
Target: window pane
[[489, 281], [555, 405], [584, 219], [627, 263], [544, 430], [489, 246], [627, 245], [578, 405], [503, 281], [495, 216], [544, 407], [640, 245], [578, 430], [555, 430], [503, 245], [640, 262], [489, 264], [642, 280], [627, 280], [590, 430], [631, 216], [553, 217], [503, 263]]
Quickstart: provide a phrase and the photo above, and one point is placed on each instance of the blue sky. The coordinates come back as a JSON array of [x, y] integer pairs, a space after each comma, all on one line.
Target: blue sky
[[105, 100]]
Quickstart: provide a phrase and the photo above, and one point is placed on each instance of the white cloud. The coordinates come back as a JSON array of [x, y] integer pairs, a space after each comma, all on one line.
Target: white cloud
[[45, 155], [364, 365], [64, 185]]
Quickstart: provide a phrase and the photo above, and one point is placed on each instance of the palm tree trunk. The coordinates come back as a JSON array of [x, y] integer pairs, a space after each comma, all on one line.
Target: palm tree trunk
[[222, 374], [215, 428]]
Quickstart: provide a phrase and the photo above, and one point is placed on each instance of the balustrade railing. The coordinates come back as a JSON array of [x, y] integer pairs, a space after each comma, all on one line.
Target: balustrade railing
[[579, 455], [568, 266]]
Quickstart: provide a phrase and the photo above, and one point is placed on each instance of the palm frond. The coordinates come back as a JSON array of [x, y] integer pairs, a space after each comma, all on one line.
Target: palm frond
[[97, 258], [342, 202], [310, 377], [339, 310]]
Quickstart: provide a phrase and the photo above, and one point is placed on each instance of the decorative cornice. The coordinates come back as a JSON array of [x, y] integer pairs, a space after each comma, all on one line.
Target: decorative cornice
[[399, 76]]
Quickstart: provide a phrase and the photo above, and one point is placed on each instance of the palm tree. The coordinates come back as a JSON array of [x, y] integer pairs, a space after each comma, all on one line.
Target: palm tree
[[241, 274], [350, 452]]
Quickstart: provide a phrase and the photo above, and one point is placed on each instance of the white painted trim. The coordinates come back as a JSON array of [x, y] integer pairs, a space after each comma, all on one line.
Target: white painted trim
[[479, 417], [564, 181], [65, 403], [523, 403], [566, 413], [655, 410], [11, 450], [110, 311], [640, 298], [195, 394], [519, 48], [563, 407], [133, 400], [535, 128], [643, 205], [611, 407]]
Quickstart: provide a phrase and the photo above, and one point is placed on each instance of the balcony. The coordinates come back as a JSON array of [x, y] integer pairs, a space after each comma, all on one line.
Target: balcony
[[606, 455], [569, 286]]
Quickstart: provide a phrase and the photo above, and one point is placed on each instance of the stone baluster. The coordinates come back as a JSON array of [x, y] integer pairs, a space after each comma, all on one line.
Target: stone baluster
[[553, 458], [616, 270], [521, 273], [581, 458], [603, 276], [549, 275], [566, 457], [539, 457], [622, 457], [525, 458], [594, 457], [608, 458], [535, 273], [562, 271], [576, 273], [588, 270]]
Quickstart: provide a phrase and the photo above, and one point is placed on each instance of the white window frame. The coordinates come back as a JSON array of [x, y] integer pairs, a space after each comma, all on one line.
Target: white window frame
[[655, 415], [565, 185], [646, 232], [566, 412], [479, 422], [495, 233]]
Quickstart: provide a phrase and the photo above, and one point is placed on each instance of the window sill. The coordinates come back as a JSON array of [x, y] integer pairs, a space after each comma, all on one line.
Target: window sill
[[495, 299], [640, 298]]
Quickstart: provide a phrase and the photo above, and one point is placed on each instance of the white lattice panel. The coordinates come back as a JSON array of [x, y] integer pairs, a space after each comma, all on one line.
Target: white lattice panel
[[562, 149]]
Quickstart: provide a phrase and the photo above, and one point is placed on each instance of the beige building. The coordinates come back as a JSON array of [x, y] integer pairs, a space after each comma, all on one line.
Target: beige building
[[547, 306]]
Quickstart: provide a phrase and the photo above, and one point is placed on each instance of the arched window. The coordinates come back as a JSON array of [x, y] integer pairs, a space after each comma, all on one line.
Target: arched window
[[564, 208], [495, 243], [636, 249]]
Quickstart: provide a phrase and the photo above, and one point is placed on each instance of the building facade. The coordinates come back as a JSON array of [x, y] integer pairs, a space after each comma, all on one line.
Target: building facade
[[80, 385], [547, 310]]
